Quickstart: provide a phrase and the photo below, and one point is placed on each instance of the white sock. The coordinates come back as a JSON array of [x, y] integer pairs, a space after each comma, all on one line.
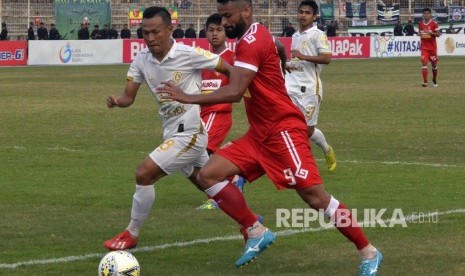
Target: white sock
[[142, 202], [319, 139], [255, 230], [368, 252], [332, 208], [215, 189]]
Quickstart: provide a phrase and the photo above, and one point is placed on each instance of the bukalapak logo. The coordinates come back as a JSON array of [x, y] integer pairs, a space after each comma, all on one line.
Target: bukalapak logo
[[69, 53]]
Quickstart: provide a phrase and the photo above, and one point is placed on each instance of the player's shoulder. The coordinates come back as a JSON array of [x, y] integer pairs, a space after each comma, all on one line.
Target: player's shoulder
[[183, 47], [256, 34], [142, 55]]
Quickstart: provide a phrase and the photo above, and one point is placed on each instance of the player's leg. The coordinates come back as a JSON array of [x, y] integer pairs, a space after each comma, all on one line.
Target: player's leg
[[317, 198], [237, 157], [434, 66], [311, 108], [301, 173], [171, 156], [147, 173], [424, 67]]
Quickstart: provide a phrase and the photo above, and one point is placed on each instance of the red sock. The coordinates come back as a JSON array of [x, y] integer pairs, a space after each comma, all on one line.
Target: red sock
[[232, 202], [424, 71], [349, 228]]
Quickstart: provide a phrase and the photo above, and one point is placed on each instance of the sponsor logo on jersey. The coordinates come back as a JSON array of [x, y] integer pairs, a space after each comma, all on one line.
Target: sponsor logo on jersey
[[177, 77], [210, 85]]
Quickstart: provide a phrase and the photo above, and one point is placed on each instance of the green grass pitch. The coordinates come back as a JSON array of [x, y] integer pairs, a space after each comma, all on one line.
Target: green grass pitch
[[68, 163]]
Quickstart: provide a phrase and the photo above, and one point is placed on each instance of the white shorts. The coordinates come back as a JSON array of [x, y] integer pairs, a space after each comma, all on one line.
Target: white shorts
[[309, 104], [181, 153]]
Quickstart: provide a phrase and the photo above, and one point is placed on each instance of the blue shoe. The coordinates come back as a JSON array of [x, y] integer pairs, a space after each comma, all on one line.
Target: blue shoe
[[239, 183], [369, 267], [255, 247]]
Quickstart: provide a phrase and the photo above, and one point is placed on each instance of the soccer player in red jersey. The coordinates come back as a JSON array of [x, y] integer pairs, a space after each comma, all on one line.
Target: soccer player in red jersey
[[428, 30], [217, 117], [276, 143]]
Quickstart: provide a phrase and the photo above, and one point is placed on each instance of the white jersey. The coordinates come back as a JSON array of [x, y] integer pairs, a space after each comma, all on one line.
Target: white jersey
[[182, 65], [306, 78]]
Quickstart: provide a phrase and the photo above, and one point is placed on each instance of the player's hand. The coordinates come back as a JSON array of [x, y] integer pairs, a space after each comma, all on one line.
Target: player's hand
[[112, 101], [169, 91], [297, 54]]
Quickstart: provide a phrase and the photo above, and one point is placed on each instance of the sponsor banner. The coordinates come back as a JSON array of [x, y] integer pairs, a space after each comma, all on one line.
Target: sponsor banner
[[408, 46], [451, 45], [327, 12], [395, 46], [439, 14], [70, 14], [388, 14], [350, 47], [459, 28], [342, 47], [13, 53], [457, 14], [356, 10], [135, 15], [75, 52]]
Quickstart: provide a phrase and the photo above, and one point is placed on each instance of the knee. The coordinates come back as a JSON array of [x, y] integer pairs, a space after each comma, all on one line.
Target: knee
[[205, 179], [143, 177], [316, 198]]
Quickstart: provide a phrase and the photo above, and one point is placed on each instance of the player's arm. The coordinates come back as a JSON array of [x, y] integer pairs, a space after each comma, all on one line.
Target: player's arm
[[224, 67], [127, 98], [282, 55], [323, 58], [238, 83]]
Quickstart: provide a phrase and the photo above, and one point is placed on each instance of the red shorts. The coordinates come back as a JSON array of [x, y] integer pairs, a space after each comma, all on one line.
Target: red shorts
[[217, 125], [429, 55], [285, 157]]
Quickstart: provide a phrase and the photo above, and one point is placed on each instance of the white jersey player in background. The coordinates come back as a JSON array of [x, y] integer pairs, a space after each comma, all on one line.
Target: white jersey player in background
[[310, 50], [185, 140]]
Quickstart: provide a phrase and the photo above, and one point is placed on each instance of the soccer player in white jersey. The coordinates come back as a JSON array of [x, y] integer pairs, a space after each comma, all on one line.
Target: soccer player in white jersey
[[185, 140], [310, 50]]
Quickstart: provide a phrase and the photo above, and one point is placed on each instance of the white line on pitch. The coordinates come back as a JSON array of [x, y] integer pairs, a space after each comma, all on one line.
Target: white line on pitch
[[397, 163], [203, 241]]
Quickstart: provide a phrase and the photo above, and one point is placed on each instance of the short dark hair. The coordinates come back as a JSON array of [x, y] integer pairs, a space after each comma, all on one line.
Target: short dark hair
[[311, 4], [158, 11], [427, 10], [213, 19]]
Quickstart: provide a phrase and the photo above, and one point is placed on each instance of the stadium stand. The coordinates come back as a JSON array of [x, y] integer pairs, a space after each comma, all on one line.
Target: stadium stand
[[274, 14]]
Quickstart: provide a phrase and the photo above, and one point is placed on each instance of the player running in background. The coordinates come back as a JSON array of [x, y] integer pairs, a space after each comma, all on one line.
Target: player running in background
[[185, 140], [217, 117], [428, 30], [310, 50], [276, 143]]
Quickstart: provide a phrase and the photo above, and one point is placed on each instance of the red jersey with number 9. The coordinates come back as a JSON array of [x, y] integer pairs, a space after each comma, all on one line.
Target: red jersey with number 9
[[268, 106], [428, 42]]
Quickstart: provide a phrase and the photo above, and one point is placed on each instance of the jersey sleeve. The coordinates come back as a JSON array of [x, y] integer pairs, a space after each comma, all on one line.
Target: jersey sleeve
[[248, 53], [203, 59], [135, 73], [322, 44]]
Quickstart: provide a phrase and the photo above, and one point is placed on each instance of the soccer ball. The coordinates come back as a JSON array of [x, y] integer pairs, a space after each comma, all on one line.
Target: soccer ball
[[119, 263]]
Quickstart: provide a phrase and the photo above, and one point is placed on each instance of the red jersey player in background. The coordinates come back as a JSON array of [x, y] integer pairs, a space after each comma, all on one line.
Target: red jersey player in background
[[276, 142], [217, 117], [428, 29]]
